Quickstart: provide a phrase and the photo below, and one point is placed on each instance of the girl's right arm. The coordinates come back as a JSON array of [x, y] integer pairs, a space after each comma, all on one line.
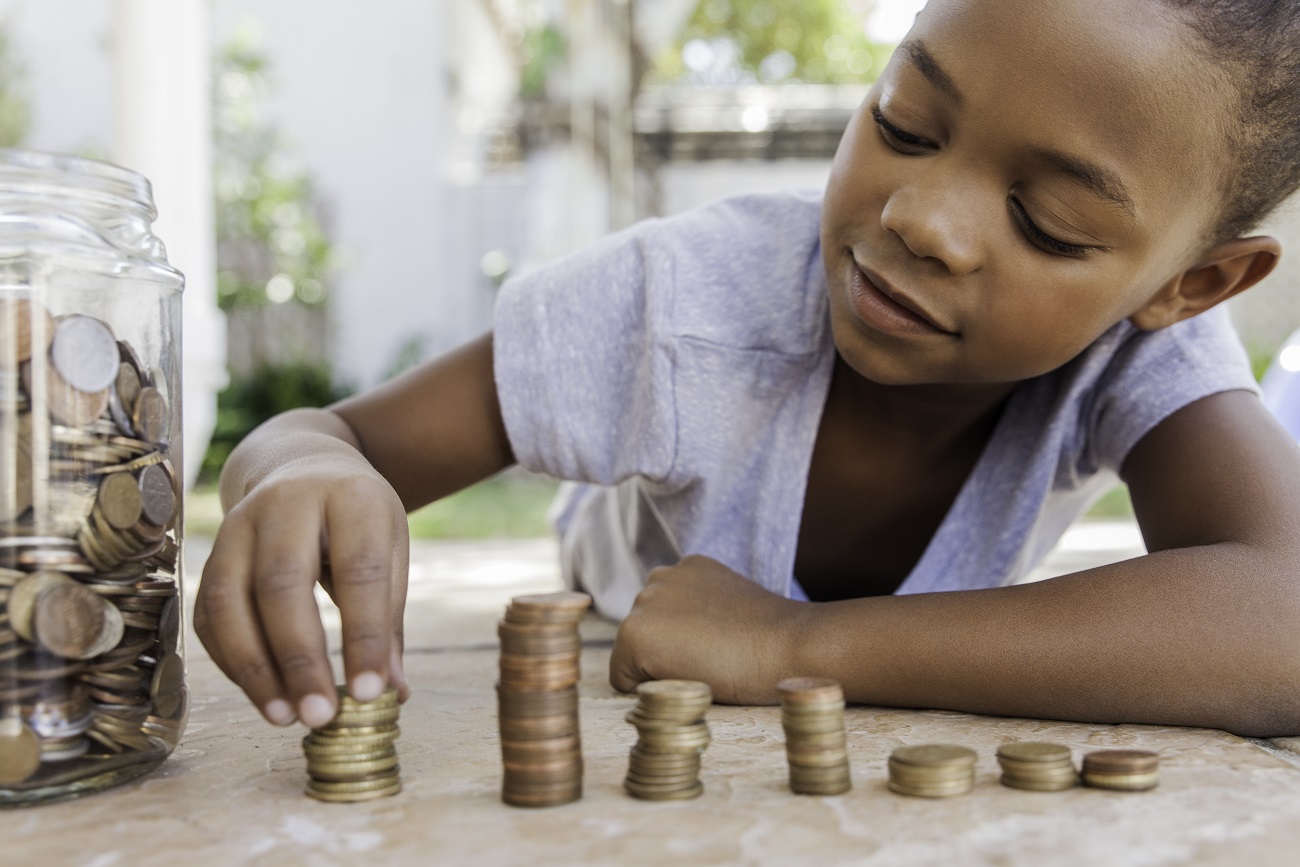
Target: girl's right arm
[[330, 488]]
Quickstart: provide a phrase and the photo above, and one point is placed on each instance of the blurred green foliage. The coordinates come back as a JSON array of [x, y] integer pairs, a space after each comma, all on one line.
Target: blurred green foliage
[[730, 42], [247, 402], [271, 247], [15, 113]]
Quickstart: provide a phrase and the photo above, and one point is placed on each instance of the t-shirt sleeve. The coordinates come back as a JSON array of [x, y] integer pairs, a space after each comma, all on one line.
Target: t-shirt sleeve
[[1154, 374], [583, 373]]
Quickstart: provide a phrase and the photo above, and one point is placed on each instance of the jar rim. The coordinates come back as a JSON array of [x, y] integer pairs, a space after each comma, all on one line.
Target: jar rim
[[77, 172]]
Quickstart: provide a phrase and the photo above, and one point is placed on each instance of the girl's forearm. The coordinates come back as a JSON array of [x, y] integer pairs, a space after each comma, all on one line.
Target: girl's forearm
[[1199, 636]]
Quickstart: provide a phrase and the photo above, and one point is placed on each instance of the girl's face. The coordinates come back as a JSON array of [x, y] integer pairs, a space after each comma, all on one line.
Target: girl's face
[[1023, 176]]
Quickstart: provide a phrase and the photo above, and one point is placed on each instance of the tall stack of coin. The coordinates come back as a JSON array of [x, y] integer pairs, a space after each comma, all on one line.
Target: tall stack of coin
[[89, 514], [932, 770], [671, 735], [1036, 766], [812, 714], [1122, 770], [537, 699], [353, 758]]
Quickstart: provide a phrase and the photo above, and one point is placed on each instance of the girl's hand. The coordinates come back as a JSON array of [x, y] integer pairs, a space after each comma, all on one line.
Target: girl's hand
[[256, 611], [699, 620]]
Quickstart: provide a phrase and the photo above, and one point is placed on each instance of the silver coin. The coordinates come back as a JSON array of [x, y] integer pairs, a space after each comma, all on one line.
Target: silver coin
[[85, 353]]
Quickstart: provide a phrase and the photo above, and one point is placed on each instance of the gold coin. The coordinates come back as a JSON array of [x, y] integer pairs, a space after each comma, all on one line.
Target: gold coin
[[343, 771], [150, 416], [675, 690], [74, 622], [23, 598], [119, 501], [670, 795], [1121, 762], [1122, 782], [356, 797], [810, 690], [167, 688], [929, 755], [20, 751], [1033, 751], [379, 782], [1051, 785]]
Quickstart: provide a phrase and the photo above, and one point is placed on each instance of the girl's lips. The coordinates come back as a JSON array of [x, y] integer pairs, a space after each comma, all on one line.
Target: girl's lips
[[879, 310]]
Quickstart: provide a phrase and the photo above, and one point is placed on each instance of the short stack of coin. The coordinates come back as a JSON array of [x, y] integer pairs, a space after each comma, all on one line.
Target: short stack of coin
[[932, 770], [671, 735], [1122, 770], [812, 714], [1038, 767], [353, 758], [537, 699]]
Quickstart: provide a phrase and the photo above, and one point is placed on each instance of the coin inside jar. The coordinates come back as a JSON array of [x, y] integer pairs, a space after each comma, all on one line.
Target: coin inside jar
[[23, 322], [158, 497], [84, 352], [74, 622], [119, 500], [20, 751], [150, 417]]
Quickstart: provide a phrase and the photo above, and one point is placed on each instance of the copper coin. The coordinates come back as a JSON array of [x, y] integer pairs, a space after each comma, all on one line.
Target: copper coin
[[119, 501], [1120, 762], [22, 321], [168, 685], [67, 405], [151, 417], [74, 622]]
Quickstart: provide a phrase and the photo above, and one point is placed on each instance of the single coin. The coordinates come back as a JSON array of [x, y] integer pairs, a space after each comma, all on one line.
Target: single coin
[[23, 322], [671, 795], [84, 352], [387, 698], [1033, 751], [1033, 785], [20, 751], [67, 405], [934, 754], [355, 797], [157, 496], [151, 417], [810, 689], [1120, 762], [127, 386], [23, 597], [74, 622], [168, 685], [1122, 782], [119, 501]]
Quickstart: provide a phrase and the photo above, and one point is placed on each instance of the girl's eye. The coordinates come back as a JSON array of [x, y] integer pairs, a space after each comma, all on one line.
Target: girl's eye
[[1040, 238], [900, 140]]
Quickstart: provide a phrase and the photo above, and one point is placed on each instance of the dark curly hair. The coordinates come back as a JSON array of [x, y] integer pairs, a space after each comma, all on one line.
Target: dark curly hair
[[1257, 42]]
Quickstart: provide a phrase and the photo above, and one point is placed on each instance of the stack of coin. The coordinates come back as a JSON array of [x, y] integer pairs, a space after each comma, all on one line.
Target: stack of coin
[[89, 514], [932, 770], [353, 758], [671, 735], [1038, 767], [812, 714], [1122, 770], [537, 699]]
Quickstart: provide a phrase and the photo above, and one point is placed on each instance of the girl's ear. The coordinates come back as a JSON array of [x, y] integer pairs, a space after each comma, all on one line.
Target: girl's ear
[[1231, 267]]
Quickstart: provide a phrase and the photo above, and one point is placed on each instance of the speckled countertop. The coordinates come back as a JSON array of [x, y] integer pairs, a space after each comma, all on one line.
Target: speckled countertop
[[232, 791]]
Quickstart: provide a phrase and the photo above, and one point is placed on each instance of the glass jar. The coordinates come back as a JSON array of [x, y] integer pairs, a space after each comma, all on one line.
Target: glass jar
[[92, 673]]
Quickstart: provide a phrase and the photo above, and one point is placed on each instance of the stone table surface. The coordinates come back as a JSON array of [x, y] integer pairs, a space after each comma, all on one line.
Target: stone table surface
[[232, 791]]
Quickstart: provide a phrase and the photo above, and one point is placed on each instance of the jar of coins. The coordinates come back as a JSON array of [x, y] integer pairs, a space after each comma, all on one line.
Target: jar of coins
[[92, 676]]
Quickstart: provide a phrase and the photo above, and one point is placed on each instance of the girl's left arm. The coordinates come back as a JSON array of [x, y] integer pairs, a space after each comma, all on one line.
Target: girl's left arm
[[1202, 631]]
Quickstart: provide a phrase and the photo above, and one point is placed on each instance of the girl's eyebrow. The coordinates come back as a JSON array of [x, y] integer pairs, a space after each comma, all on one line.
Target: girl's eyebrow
[[915, 52], [1100, 181]]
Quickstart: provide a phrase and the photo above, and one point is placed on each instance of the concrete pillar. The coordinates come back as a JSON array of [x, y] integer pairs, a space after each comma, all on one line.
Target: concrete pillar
[[162, 64]]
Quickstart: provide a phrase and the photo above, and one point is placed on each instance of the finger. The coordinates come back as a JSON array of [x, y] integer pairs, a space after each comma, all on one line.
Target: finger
[[286, 566], [362, 541], [624, 672], [228, 626], [401, 578]]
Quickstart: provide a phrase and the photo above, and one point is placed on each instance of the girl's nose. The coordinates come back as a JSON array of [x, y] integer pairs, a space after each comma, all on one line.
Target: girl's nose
[[934, 222]]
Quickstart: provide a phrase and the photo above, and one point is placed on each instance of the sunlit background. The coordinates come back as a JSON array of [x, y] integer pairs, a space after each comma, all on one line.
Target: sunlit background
[[346, 184]]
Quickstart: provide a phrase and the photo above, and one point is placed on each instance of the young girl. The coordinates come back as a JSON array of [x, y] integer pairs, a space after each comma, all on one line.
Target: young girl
[[890, 400]]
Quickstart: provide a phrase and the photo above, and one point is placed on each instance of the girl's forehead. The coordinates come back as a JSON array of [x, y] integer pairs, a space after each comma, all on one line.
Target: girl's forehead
[[1120, 82]]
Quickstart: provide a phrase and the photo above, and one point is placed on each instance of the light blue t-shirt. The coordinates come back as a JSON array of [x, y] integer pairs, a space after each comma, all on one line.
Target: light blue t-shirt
[[679, 370]]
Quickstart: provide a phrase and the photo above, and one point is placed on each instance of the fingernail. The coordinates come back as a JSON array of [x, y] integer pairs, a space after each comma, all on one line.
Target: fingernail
[[367, 686], [315, 710], [279, 712]]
